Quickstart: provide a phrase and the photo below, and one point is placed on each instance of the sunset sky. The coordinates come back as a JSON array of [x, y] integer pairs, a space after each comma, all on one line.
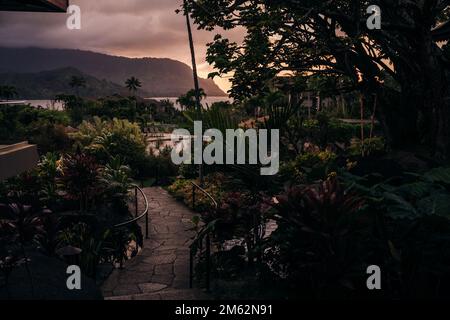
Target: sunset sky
[[132, 28]]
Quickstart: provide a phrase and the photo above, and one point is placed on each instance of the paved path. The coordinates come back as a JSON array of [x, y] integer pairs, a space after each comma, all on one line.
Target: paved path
[[161, 270]]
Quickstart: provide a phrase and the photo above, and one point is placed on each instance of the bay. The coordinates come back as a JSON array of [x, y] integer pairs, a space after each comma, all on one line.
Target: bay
[[55, 105], [208, 101]]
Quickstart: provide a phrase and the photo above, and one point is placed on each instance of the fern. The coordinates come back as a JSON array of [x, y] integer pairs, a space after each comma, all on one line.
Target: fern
[[439, 175]]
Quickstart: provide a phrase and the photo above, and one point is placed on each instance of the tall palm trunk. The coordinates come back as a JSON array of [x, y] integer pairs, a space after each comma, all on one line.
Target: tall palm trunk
[[194, 63], [194, 70]]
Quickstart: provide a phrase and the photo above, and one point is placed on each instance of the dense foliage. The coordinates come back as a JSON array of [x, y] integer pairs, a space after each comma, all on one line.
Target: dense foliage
[[336, 207], [402, 66], [69, 200], [46, 128]]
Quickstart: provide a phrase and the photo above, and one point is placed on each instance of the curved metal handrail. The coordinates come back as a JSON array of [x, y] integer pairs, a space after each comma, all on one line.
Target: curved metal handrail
[[137, 218], [198, 242], [206, 193]]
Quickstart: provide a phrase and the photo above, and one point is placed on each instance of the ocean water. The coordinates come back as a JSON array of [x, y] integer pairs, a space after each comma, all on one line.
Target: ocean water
[[47, 104], [52, 104]]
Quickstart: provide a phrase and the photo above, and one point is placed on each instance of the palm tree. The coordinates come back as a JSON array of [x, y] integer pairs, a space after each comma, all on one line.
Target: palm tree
[[194, 63], [77, 82], [133, 84], [188, 101], [194, 70]]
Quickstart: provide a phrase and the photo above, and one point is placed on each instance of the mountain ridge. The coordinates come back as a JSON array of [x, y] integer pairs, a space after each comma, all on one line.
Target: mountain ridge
[[159, 76], [48, 84]]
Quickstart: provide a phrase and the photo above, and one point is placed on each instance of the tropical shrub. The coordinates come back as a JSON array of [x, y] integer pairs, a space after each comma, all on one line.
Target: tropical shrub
[[188, 100], [240, 216], [235, 216], [325, 129], [370, 146], [106, 139], [188, 171], [180, 188], [48, 239], [80, 179], [123, 244], [101, 244], [24, 189], [310, 166], [75, 107], [89, 241], [157, 167], [46, 128], [413, 226], [410, 196], [19, 226], [49, 168], [319, 245], [49, 137], [215, 184], [116, 181]]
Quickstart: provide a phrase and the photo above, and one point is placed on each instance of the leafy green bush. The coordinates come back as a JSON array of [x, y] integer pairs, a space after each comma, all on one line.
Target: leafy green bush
[[325, 129], [145, 112], [116, 138], [90, 241], [188, 171], [159, 167], [25, 189], [180, 188], [215, 184], [46, 128], [413, 228], [370, 146], [116, 181], [49, 137], [239, 216], [309, 166], [318, 246], [74, 106], [49, 168], [80, 179]]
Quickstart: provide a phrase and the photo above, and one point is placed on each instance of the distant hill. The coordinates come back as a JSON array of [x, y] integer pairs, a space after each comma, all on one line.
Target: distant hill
[[48, 84], [159, 77]]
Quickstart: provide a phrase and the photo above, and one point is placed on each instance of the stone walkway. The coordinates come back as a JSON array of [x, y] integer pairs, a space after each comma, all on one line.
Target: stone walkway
[[161, 270]]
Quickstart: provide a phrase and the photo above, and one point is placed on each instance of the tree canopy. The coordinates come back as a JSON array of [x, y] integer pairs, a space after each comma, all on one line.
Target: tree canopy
[[133, 84], [188, 100], [307, 37]]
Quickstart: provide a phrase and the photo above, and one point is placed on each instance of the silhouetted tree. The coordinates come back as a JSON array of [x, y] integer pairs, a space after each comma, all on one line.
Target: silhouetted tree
[[188, 101], [133, 84], [8, 92], [332, 38], [194, 70], [77, 82]]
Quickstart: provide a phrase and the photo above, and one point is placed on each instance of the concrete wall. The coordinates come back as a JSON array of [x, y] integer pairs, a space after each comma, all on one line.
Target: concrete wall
[[17, 158]]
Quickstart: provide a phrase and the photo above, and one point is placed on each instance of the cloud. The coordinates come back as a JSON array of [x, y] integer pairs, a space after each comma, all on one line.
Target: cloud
[[133, 28]]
